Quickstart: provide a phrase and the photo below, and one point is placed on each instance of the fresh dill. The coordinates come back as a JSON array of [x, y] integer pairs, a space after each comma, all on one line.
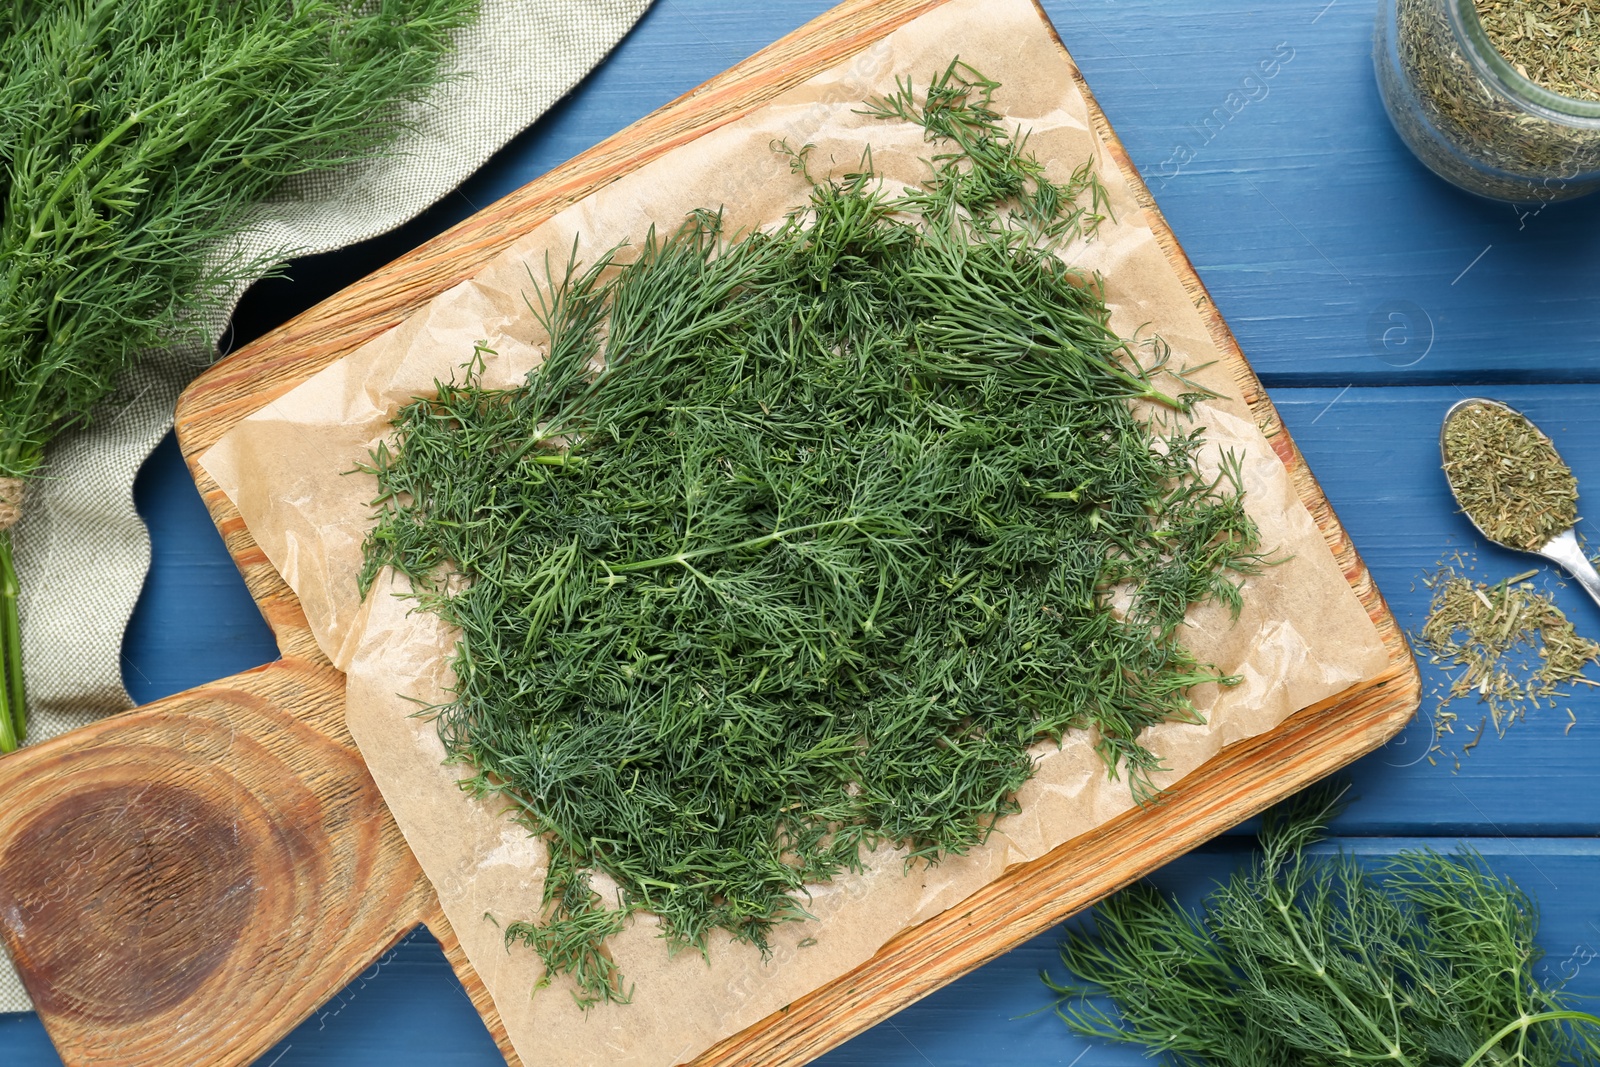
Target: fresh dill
[[1306, 959], [797, 541], [135, 135]]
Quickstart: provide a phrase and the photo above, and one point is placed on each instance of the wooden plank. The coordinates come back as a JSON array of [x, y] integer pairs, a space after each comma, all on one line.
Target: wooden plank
[[1031, 897], [1304, 213], [1273, 297], [1158, 68], [184, 883], [1000, 1015], [196, 621], [944, 946], [401, 1012]]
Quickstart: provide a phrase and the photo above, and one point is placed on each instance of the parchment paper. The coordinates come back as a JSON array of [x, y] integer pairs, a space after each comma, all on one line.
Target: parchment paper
[[1302, 635]]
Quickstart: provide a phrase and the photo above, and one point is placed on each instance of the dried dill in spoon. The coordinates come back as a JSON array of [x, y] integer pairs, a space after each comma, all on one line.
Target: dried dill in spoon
[[798, 540], [1518, 492], [1513, 485], [1507, 475], [135, 135]]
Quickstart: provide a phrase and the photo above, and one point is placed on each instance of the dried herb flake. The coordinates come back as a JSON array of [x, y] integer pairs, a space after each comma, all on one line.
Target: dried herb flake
[[1507, 644]]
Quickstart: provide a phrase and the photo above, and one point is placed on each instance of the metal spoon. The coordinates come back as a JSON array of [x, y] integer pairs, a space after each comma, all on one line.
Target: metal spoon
[[1563, 548]]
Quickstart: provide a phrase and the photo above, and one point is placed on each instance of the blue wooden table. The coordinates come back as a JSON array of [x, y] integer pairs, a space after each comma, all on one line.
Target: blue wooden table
[[1367, 294]]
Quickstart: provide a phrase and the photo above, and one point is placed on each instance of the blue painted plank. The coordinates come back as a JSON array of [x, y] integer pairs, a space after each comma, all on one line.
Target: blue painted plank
[[1376, 454], [408, 1009], [1323, 241], [1308, 219], [195, 621], [1534, 780], [985, 1019]]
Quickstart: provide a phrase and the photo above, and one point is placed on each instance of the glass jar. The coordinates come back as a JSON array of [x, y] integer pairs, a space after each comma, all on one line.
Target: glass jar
[[1471, 117]]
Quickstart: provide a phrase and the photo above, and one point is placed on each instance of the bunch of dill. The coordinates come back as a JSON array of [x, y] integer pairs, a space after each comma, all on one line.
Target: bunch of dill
[[135, 135], [1312, 961], [823, 546]]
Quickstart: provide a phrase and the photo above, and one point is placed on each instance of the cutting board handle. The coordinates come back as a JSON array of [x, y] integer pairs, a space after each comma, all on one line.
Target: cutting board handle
[[186, 882]]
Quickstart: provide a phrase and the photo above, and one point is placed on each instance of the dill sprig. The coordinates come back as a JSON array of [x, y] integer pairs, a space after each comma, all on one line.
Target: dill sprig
[[797, 541], [134, 139], [1307, 959], [989, 165]]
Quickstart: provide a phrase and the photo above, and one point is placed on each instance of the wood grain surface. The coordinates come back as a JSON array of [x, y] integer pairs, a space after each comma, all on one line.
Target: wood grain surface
[[179, 883], [233, 846]]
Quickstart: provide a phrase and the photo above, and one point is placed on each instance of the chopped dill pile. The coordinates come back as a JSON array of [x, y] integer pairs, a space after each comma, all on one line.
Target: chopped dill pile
[[1506, 643], [798, 540], [1306, 960]]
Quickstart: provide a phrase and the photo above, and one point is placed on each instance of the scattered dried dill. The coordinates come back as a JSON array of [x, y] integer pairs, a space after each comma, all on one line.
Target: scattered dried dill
[[818, 553], [1507, 476], [1553, 43], [1506, 643]]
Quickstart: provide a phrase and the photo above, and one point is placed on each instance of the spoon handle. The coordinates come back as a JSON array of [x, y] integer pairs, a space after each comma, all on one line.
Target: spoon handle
[[1564, 550]]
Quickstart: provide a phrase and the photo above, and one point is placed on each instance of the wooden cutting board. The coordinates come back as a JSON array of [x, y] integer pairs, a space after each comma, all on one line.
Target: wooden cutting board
[[187, 882]]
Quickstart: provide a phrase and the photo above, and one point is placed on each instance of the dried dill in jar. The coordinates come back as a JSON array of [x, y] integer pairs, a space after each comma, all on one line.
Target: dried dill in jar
[[1552, 43], [1507, 475], [1473, 117]]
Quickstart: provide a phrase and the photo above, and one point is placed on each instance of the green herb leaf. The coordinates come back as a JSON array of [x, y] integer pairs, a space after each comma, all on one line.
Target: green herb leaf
[[134, 139]]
